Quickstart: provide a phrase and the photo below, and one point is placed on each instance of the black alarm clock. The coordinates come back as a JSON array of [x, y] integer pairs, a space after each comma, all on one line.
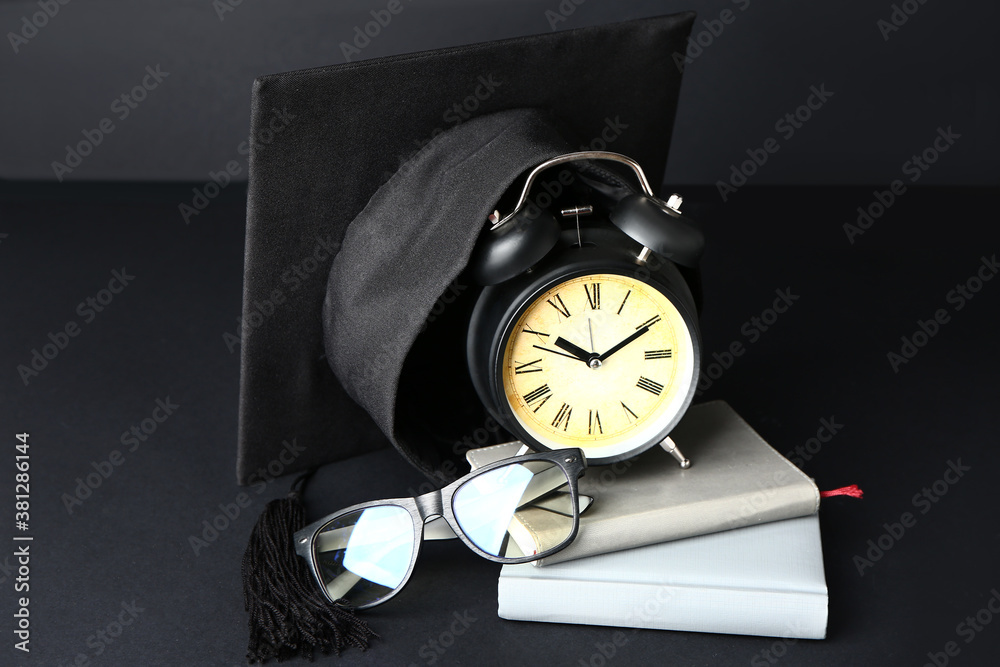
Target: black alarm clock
[[585, 333]]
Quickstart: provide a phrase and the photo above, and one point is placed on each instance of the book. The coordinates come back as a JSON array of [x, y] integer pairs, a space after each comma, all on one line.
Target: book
[[766, 579], [735, 480]]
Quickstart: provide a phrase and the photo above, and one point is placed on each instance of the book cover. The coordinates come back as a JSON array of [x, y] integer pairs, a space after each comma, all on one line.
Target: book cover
[[766, 579], [735, 480]]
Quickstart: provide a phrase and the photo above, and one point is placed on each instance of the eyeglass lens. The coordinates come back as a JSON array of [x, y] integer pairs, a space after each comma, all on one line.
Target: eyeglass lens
[[521, 509], [512, 511], [364, 555]]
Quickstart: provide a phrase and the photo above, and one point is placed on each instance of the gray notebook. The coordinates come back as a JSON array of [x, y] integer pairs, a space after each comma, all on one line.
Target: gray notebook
[[760, 580], [736, 479]]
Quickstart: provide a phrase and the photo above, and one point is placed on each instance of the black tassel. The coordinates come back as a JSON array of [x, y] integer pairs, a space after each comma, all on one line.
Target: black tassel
[[288, 614]]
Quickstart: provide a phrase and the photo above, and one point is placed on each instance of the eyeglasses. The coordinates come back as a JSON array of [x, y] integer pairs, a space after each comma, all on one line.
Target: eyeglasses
[[515, 510]]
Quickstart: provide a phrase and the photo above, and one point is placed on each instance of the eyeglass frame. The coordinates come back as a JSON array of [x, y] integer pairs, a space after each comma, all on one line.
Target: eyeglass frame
[[433, 505]]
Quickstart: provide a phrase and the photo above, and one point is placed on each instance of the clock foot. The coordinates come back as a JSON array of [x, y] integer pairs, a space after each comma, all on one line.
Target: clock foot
[[671, 447]]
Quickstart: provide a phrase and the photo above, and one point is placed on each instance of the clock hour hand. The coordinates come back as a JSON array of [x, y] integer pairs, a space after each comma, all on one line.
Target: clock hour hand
[[575, 350], [562, 354], [622, 344]]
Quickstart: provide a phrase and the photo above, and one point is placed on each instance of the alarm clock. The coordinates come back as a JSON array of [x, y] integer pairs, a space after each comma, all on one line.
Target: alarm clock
[[585, 333]]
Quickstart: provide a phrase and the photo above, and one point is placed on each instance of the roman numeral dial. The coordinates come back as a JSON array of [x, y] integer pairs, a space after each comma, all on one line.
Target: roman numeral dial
[[593, 295], [594, 422], [597, 361], [561, 420], [651, 386], [528, 367], [560, 305]]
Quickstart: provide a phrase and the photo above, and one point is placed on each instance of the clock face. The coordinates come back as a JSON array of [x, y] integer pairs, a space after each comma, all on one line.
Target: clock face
[[604, 362]]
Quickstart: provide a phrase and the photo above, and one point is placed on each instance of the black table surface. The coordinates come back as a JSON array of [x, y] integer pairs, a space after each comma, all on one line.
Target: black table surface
[[116, 578]]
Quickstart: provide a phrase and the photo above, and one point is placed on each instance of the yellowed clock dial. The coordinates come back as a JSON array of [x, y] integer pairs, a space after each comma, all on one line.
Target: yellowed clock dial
[[603, 362]]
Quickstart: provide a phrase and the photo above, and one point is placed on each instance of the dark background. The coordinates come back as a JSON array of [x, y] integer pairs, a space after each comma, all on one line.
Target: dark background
[[939, 68], [130, 540]]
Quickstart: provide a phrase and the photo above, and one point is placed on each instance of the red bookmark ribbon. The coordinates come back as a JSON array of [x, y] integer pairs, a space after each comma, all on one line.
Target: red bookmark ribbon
[[853, 491]]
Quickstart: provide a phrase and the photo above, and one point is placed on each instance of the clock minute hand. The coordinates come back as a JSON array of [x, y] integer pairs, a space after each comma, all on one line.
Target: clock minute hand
[[575, 350], [623, 343]]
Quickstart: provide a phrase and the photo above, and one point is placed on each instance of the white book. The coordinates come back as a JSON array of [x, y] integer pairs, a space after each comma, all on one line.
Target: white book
[[765, 580]]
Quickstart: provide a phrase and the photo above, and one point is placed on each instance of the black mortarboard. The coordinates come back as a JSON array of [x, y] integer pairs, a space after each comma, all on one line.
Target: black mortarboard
[[324, 140]]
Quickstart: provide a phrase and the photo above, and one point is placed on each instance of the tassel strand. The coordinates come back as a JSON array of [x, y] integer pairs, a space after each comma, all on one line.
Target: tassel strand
[[288, 615]]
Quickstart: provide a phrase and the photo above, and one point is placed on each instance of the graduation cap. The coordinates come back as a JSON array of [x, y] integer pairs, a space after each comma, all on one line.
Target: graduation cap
[[340, 158], [324, 141]]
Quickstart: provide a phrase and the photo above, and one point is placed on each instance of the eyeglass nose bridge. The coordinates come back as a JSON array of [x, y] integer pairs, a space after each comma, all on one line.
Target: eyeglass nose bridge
[[430, 505]]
